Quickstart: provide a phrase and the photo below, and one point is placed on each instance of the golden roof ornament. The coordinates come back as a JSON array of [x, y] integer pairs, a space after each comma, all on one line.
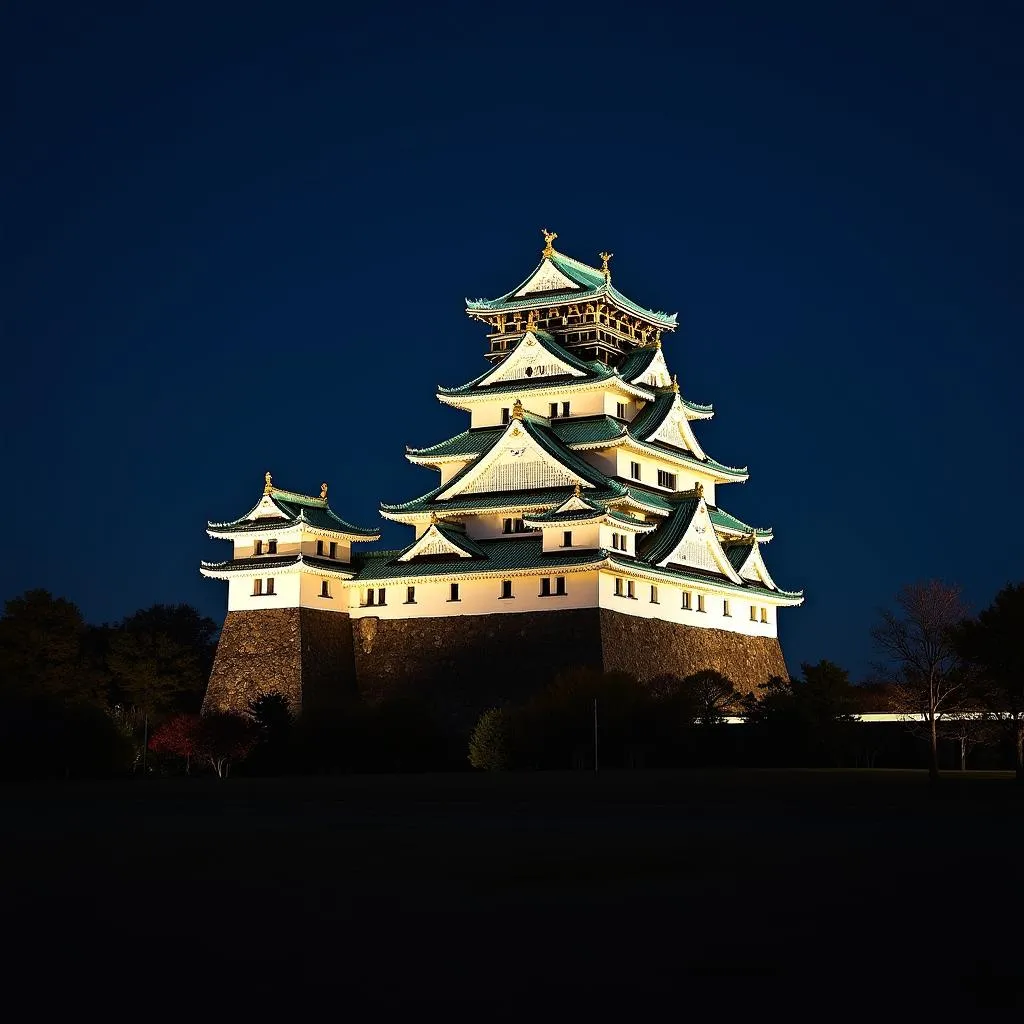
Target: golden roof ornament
[[517, 410], [577, 491], [531, 320], [323, 492], [605, 269], [675, 383], [268, 485], [433, 519], [698, 488], [549, 236]]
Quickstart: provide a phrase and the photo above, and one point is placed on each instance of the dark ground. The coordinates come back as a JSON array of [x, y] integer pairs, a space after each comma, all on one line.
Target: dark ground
[[536, 894]]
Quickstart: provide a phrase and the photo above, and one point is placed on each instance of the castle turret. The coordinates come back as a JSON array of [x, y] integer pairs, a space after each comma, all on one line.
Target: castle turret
[[287, 627]]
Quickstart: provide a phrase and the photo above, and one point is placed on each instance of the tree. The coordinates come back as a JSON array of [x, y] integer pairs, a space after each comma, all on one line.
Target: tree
[[917, 642], [161, 658], [177, 737], [222, 738], [711, 696], [993, 646], [41, 639], [489, 742]]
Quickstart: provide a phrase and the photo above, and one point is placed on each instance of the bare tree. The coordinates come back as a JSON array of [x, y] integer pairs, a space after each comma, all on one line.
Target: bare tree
[[917, 642]]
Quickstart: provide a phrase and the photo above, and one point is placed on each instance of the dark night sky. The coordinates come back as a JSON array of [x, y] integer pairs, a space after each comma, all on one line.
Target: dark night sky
[[238, 238]]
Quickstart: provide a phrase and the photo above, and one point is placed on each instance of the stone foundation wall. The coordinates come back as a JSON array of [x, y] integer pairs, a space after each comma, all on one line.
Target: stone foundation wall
[[304, 653], [467, 663], [650, 647]]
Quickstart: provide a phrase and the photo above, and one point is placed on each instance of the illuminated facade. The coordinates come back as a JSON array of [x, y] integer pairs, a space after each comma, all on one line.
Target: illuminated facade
[[579, 493]]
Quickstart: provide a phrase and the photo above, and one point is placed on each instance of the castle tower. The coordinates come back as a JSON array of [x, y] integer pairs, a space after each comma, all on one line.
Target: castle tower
[[287, 627], [576, 521]]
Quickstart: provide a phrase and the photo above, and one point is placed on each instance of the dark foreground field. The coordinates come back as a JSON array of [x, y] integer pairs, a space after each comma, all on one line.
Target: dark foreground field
[[503, 896]]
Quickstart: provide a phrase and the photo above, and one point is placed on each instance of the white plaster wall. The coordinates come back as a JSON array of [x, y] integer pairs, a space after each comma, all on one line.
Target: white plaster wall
[[477, 597], [487, 527], [670, 607], [344, 547], [287, 543], [611, 404], [241, 598], [649, 466], [586, 536], [586, 403], [629, 538], [309, 593], [450, 469]]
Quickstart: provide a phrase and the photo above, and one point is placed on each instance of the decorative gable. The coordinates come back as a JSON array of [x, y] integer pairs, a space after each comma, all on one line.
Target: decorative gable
[[700, 548], [754, 569], [266, 509], [548, 278], [529, 360], [434, 542], [516, 463], [675, 430], [656, 374]]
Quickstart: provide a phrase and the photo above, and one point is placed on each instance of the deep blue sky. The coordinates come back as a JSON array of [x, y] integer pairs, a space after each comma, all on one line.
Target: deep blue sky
[[238, 237]]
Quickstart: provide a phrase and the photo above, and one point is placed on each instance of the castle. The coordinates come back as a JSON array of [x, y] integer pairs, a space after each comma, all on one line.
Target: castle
[[576, 522]]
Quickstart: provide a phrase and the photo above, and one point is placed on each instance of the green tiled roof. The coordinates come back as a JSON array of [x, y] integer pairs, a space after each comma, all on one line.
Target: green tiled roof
[[504, 555], [587, 430], [275, 562], [636, 363], [670, 533], [298, 508], [498, 499], [653, 414], [593, 286], [739, 472], [737, 552], [468, 443], [697, 577], [729, 522]]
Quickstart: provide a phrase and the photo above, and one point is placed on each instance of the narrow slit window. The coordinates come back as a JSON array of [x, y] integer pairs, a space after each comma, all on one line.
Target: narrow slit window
[[725, 608], [764, 614], [618, 586], [319, 547], [380, 596], [325, 588], [553, 410], [332, 551], [506, 526], [630, 589], [620, 410], [506, 415], [545, 586], [565, 408], [257, 588], [410, 595], [686, 600], [666, 479], [634, 470], [506, 589], [371, 595], [753, 613], [453, 592], [567, 538], [258, 548], [654, 594], [700, 602], [560, 586], [270, 584], [271, 547]]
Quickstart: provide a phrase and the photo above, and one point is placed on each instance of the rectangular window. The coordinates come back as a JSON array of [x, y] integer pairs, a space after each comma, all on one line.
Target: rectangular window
[[630, 590], [518, 526], [686, 600], [325, 589], [567, 538], [258, 548], [764, 614], [380, 596], [700, 602], [560, 586], [666, 479], [257, 588], [634, 470], [725, 608], [270, 584], [506, 526], [410, 595], [654, 595], [618, 586], [319, 547], [545, 586], [506, 589], [371, 596], [453, 592], [553, 409], [506, 415], [620, 410], [565, 408], [271, 547], [332, 551]]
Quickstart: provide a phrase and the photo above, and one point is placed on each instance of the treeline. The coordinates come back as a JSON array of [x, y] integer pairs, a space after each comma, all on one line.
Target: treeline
[[79, 699]]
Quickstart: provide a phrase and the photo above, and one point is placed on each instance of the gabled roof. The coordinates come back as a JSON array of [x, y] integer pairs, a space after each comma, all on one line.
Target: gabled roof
[[585, 283], [446, 543], [499, 555], [281, 510], [275, 564]]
